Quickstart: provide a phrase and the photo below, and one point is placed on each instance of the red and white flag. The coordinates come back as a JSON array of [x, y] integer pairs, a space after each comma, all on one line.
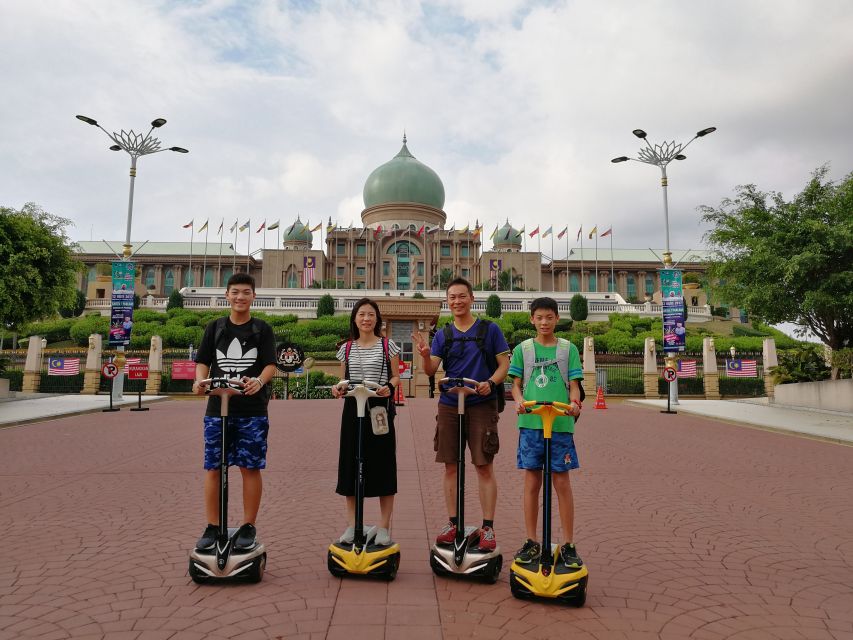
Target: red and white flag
[[63, 366], [421, 230], [534, 232], [607, 233], [308, 265], [262, 227], [562, 233], [686, 368], [741, 369]]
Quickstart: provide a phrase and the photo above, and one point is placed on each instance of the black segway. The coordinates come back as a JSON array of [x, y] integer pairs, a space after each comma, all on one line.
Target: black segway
[[547, 577], [463, 557], [362, 556], [226, 561]]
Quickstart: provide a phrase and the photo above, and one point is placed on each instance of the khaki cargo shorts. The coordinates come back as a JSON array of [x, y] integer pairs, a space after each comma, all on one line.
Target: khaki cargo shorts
[[481, 433]]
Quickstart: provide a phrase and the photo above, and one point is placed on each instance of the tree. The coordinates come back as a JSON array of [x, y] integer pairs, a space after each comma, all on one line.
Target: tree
[[578, 308], [37, 265], [325, 306], [440, 281], [788, 261], [176, 300], [503, 283], [77, 307], [493, 306]]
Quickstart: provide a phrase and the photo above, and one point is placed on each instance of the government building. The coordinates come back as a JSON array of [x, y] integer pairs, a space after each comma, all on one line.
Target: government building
[[403, 245]]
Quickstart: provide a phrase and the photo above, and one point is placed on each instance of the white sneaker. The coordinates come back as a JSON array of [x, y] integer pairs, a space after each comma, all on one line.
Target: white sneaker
[[348, 535], [383, 537]]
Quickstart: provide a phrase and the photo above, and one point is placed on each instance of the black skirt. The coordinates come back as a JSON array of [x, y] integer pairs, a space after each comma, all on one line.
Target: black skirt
[[380, 454]]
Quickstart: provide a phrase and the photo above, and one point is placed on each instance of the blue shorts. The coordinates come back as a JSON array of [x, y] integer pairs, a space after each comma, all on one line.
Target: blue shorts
[[246, 441], [531, 450]]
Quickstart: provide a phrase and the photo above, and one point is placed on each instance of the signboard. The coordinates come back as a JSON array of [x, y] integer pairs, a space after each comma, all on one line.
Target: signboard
[[289, 357], [672, 303], [405, 370], [183, 370], [109, 370], [121, 313], [138, 372], [669, 374]]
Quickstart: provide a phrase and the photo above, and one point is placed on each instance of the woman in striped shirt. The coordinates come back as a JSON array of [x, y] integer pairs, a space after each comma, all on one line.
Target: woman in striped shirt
[[368, 356]]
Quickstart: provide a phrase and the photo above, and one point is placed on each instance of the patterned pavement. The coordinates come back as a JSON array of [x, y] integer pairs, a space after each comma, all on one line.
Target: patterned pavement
[[691, 528]]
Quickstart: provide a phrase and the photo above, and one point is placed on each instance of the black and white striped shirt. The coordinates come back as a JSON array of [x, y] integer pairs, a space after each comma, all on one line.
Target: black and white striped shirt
[[368, 363]]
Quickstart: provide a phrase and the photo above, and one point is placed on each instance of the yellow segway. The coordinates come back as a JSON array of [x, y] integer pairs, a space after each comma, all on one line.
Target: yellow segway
[[548, 577], [362, 556]]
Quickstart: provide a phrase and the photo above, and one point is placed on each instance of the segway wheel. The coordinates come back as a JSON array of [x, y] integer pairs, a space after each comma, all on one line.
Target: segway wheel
[[393, 565], [493, 571], [580, 600], [256, 573], [437, 569], [516, 589], [334, 568], [197, 576]]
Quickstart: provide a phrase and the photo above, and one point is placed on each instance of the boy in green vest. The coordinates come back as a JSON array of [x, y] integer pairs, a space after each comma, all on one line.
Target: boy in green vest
[[547, 368]]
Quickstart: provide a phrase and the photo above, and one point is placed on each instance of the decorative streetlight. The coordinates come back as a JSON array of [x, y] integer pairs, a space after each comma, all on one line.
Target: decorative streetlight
[[136, 145], [660, 155]]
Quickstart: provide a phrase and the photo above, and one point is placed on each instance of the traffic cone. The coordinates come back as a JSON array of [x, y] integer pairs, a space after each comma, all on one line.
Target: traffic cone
[[599, 400], [399, 400]]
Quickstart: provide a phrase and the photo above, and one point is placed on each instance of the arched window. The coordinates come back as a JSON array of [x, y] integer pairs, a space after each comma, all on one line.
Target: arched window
[[574, 282], [168, 282], [188, 278], [226, 273], [593, 284], [650, 285], [632, 286], [149, 277], [209, 277]]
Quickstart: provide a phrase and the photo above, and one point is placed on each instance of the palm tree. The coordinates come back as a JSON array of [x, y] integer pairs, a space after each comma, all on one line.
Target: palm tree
[[441, 280]]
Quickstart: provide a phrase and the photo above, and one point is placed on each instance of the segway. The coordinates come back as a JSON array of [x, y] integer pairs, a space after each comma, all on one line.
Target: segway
[[362, 556], [463, 557], [226, 561], [548, 578]]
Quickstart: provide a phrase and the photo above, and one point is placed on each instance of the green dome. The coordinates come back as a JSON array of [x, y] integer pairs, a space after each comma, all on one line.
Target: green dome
[[507, 235], [297, 232], [403, 179]]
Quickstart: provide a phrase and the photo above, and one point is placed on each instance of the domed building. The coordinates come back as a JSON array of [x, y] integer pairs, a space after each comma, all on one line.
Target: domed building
[[297, 236], [507, 238]]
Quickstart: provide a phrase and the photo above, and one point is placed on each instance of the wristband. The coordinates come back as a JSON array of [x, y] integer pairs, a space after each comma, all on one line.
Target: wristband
[[390, 387], [577, 402], [492, 384], [260, 382]]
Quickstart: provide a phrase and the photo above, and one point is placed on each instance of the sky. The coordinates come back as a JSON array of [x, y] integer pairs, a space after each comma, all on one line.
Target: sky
[[286, 108]]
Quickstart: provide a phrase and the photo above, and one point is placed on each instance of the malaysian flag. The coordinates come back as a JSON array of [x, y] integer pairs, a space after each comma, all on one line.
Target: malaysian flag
[[130, 361], [63, 366], [308, 264], [686, 368], [741, 369]]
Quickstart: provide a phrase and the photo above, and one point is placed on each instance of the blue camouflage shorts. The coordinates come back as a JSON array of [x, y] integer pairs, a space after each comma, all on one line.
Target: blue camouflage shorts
[[531, 450], [246, 441]]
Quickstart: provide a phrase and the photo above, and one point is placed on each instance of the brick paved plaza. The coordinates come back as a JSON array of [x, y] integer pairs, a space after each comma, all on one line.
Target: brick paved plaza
[[691, 528]]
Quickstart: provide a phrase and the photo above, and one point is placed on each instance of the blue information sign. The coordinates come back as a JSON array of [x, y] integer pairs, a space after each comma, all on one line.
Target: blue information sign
[[121, 314], [672, 302]]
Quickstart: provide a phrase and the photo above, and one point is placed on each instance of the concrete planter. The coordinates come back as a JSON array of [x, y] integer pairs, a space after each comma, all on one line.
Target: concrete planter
[[4, 388], [831, 395]]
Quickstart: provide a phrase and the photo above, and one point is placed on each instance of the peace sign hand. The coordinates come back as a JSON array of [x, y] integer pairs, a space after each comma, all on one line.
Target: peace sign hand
[[420, 344]]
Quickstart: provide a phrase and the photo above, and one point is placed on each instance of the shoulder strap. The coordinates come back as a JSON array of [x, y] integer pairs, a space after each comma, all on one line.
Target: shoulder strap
[[218, 330], [387, 351], [528, 353], [563, 352]]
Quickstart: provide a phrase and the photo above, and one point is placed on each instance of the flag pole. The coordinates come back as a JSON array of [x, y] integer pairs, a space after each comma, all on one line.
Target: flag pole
[[234, 263], [567, 261], [580, 235], [204, 258], [596, 257], [192, 230], [248, 244], [221, 231], [612, 274]]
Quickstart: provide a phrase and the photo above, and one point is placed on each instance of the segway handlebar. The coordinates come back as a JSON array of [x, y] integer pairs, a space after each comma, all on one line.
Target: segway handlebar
[[461, 387], [361, 390], [222, 386], [547, 410]]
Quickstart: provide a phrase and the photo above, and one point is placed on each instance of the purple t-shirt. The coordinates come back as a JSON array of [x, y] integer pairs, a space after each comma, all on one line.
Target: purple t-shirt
[[465, 360]]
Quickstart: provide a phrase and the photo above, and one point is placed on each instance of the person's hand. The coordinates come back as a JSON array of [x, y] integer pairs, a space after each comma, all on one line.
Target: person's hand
[[251, 385], [484, 388], [420, 344], [383, 391], [520, 409], [199, 388], [338, 391]]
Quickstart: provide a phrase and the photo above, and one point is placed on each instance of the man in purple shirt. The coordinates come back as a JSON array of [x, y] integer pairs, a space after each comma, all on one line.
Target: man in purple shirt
[[467, 355]]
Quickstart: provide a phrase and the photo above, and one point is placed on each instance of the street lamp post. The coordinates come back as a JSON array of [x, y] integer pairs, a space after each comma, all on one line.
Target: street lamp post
[[136, 145], [660, 155]]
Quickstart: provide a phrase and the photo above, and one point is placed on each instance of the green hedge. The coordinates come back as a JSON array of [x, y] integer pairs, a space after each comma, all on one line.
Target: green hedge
[[753, 387], [52, 330]]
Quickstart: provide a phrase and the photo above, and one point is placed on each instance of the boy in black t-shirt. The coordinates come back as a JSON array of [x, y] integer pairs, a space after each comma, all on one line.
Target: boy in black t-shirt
[[243, 347]]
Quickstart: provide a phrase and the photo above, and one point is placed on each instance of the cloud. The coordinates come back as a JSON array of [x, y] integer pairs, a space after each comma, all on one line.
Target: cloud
[[518, 106]]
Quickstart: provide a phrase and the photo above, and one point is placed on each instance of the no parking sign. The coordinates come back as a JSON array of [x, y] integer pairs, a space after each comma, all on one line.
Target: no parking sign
[[669, 374], [109, 370]]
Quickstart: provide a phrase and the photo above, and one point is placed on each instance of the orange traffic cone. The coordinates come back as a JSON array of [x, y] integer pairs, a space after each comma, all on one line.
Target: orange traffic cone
[[399, 399], [599, 400]]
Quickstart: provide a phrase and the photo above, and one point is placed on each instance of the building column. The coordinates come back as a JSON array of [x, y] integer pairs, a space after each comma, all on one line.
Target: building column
[[589, 381], [621, 283], [650, 369], [92, 375], [768, 349], [32, 367], [709, 365], [155, 366]]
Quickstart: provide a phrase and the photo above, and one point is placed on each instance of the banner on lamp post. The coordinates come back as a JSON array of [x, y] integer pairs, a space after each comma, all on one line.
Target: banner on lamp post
[[672, 304], [121, 313]]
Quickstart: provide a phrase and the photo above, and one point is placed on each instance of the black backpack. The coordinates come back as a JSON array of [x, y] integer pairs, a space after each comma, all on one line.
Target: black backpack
[[489, 358]]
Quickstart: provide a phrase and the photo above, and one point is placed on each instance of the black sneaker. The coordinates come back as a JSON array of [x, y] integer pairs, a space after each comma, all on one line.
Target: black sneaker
[[246, 536], [208, 538], [569, 556], [530, 552]]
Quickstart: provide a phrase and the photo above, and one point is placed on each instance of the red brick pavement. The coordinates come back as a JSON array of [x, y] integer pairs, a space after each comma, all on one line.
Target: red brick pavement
[[691, 529]]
